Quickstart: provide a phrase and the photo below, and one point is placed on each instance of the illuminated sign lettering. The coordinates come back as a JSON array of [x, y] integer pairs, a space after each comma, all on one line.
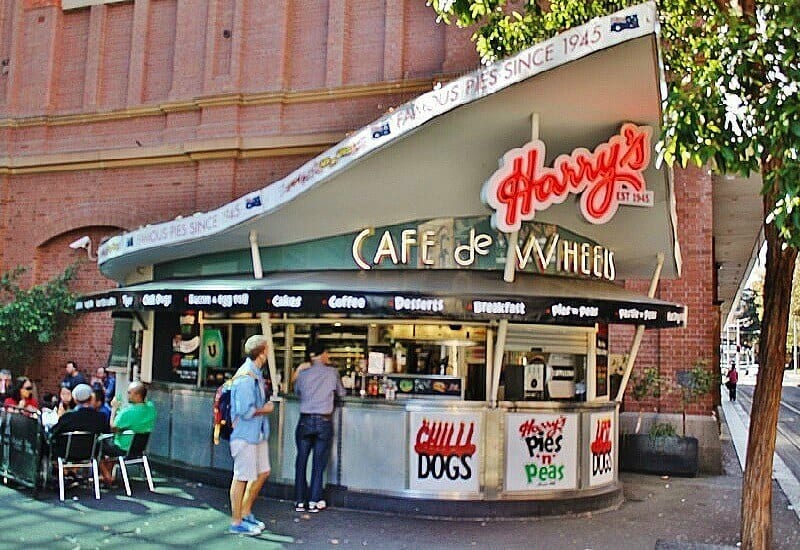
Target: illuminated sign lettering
[[284, 300], [418, 304], [347, 302], [514, 308], [637, 314], [110, 301], [561, 310], [553, 253], [523, 185], [222, 300], [150, 300], [676, 317]]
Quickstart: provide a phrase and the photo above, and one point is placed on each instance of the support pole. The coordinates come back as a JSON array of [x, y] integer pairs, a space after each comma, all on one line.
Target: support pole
[[513, 238], [488, 379], [511, 257], [637, 337], [266, 326], [508, 276], [499, 350]]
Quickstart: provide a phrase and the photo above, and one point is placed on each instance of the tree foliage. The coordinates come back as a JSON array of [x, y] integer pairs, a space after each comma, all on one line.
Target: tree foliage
[[733, 100], [733, 71], [30, 318], [751, 308]]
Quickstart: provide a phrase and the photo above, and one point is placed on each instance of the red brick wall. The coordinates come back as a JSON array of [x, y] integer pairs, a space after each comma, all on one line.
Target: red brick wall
[[6, 24], [363, 47], [71, 61], [87, 339], [677, 349], [423, 42], [264, 40], [134, 54], [116, 53], [160, 50], [307, 47]]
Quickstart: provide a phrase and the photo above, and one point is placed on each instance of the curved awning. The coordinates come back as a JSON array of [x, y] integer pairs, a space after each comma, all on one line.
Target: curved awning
[[430, 157], [455, 295]]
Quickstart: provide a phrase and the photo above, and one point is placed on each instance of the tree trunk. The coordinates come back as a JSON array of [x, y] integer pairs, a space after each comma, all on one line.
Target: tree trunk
[[757, 484]]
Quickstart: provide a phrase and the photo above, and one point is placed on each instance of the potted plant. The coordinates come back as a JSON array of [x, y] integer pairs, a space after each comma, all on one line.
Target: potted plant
[[634, 446], [662, 451]]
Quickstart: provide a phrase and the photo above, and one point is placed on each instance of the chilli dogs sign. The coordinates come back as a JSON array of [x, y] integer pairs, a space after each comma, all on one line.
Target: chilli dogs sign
[[605, 178], [443, 452], [601, 448]]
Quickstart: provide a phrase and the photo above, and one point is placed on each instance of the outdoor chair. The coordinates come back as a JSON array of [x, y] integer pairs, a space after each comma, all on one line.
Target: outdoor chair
[[135, 455], [76, 450]]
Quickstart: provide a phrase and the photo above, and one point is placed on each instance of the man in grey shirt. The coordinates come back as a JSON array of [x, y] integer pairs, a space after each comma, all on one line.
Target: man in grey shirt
[[316, 385]]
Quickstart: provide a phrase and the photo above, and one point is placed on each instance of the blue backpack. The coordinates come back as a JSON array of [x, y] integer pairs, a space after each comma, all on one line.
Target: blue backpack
[[223, 423]]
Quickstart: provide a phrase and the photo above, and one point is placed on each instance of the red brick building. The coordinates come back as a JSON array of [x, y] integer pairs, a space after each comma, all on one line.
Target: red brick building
[[118, 114]]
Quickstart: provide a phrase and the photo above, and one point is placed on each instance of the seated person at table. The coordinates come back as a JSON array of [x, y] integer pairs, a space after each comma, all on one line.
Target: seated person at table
[[83, 418], [138, 416], [65, 401], [108, 384], [48, 406], [49, 401], [5, 383], [99, 403], [23, 395]]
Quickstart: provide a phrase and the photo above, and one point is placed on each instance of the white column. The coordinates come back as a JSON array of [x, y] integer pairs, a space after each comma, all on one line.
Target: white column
[[266, 326]]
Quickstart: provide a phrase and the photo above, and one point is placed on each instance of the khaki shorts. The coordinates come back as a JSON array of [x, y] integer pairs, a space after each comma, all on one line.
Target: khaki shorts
[[249, 459]]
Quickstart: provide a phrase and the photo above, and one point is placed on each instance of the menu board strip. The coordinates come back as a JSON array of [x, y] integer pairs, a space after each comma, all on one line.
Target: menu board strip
[[574, 311]]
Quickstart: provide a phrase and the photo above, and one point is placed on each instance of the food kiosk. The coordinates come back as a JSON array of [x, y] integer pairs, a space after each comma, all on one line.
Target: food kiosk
[[466, 305]]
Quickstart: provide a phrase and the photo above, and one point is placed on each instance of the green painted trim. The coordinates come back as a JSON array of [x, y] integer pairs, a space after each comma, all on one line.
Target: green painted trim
[[335, 253]]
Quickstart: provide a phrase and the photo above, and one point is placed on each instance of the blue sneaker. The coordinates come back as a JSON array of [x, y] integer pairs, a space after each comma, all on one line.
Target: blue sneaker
[[251, 519], [245, 528]]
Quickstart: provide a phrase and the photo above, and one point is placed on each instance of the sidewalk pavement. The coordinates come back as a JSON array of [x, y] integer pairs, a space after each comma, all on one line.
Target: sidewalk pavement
[[663, 513]]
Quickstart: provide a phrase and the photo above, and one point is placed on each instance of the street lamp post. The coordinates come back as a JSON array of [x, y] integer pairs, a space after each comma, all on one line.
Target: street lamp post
[[738, 340]]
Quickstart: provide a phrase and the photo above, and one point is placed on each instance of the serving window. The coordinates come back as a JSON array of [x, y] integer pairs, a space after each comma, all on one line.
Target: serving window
[[417, 358]]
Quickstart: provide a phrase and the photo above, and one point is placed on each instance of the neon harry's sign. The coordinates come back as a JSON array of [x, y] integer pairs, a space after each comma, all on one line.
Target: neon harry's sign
[[607, 177]]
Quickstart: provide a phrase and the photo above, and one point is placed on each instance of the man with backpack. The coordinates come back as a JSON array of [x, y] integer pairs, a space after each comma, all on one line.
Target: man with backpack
[[249, 407]]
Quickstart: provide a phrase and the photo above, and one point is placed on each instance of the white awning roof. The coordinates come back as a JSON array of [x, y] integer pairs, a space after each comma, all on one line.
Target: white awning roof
[[738, 214], [430, 157]]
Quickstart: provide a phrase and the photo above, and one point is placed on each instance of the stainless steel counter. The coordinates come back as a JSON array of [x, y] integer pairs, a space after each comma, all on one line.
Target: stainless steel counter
[[422, 449]]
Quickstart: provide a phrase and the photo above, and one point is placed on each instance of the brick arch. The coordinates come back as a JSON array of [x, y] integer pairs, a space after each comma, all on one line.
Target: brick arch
[[76, 217]]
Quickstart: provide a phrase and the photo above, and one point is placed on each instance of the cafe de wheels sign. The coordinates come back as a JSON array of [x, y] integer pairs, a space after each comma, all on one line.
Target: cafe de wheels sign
[[609, 176]]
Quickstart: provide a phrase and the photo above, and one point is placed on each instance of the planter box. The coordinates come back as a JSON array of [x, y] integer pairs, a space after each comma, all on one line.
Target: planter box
[[672, 455]]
